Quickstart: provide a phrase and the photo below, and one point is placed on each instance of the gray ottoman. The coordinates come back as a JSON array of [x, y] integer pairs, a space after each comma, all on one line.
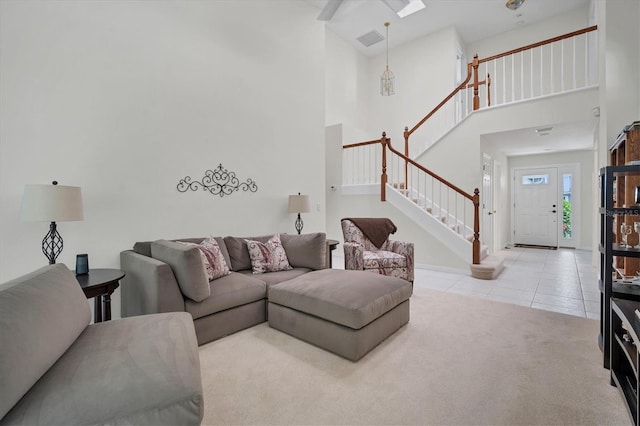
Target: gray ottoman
[[345, 312]]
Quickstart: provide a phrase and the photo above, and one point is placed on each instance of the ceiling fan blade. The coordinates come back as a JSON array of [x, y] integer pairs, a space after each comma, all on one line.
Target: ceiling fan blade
[[329, 10]]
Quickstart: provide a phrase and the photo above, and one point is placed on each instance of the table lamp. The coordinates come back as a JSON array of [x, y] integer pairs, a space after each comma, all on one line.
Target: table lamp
[[299, 204], [51, 203]]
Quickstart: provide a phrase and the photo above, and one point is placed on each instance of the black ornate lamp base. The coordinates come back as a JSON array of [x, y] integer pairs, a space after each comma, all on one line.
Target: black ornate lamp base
[[299, 224], [52, 244]]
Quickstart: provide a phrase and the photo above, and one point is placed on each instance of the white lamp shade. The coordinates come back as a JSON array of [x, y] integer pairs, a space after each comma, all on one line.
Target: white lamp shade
[[299, 204], [51, 203]]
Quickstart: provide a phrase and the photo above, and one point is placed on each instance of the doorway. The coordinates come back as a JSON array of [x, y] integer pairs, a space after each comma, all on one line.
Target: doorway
[[461, 97], [488, 200]]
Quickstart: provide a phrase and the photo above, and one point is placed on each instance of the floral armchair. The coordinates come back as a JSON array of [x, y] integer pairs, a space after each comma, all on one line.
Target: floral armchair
[[393, 258]]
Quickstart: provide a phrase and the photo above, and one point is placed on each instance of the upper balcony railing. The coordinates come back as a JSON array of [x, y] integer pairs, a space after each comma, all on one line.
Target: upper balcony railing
[[549, 67]]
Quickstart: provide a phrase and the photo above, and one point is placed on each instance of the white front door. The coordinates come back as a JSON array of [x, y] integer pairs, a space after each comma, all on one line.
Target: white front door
[[536, 207]]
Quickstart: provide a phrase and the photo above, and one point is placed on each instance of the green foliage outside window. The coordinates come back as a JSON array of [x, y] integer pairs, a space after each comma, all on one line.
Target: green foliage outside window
[[566, 219]]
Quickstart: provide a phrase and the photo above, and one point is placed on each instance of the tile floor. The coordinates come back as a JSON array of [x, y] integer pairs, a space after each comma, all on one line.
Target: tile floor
[[561, 280]]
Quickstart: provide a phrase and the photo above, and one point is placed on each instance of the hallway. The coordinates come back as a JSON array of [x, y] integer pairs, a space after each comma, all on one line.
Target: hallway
[[554, 280]]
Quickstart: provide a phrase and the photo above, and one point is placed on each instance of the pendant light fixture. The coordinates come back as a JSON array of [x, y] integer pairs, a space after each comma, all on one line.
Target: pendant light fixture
[[514, 4], [387, 80]]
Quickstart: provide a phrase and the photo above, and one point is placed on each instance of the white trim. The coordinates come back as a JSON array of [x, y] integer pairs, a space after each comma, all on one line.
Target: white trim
[[574, 170]]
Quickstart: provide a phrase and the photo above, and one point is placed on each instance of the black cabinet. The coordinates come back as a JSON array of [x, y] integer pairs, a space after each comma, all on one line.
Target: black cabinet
[[624, 353], [619, 263]]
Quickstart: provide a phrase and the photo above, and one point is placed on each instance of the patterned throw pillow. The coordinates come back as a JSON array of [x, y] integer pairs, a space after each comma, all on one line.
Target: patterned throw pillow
[[212, 258], [269, 256]]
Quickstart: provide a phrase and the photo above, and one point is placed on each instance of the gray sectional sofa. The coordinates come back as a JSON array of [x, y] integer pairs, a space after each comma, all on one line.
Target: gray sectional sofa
[[57, 369], [166, 276], [345, 312]]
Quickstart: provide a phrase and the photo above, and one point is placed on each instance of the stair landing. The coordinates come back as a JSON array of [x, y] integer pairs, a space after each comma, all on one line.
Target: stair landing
[[488, 269]]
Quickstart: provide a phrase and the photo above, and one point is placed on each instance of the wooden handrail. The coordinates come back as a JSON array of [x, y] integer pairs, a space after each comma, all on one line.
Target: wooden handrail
[[475, 198], [427, 171], [540, 43], [355, 145], [441, 104], [472, 66]]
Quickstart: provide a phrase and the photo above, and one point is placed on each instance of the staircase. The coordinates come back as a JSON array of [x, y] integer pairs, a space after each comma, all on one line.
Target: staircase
[[438, 206], [445, 227]]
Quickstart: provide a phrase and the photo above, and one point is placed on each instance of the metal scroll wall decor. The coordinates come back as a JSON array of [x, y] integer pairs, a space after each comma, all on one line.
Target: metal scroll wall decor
[[218, 182]]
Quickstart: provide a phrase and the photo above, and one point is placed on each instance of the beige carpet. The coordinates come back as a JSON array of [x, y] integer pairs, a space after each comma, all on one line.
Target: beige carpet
[[460, 360]]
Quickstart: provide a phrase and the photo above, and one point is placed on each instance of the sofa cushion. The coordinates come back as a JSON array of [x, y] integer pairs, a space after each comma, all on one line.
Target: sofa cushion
[[306, 250], [221, 244], [228, 292], [41, 315], [239, 252], [383, 259], [187, 266], [144, 247], [214, 262], [269, 256], [217, 263], [143, 370], [273, 278]]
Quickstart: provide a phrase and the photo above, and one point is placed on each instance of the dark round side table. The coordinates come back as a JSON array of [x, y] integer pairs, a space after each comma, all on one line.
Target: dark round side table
[[100, 284], [332, 246]]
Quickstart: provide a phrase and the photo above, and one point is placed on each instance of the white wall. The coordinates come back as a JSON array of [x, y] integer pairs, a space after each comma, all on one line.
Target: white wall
[[462, 146], [424, 72], [347, 94], [126, 98], [531, 33], [356, 112], [619, 33]]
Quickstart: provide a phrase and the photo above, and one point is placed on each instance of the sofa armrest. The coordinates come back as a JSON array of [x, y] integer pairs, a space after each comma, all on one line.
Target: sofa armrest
[[148, 287], [41, 315], [353, 256], [405, 249]]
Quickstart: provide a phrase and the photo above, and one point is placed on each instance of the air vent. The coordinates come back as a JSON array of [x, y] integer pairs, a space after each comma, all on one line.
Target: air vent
[[370, 38]]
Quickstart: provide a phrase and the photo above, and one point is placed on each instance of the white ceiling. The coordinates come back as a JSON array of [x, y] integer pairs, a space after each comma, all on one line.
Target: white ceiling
[[561, 137], [474, 20]]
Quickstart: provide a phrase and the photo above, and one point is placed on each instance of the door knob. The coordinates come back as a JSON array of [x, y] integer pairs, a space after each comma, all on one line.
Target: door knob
[[553, 211]]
